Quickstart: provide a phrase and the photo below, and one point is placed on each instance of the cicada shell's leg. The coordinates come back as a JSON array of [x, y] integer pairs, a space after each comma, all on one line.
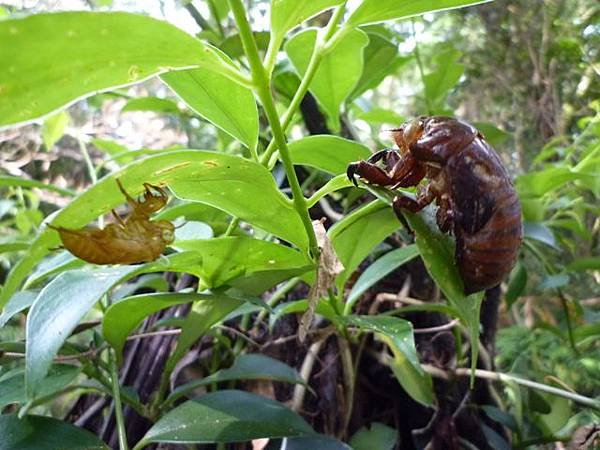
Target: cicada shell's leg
[[132, 201], [117, 218]]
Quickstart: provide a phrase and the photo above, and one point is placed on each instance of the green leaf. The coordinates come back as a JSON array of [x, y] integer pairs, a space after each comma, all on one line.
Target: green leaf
[[381, 268], [339, 71], [494, 135], [154, 104], [286, 14], [246, 367], [226, 416], [516, 284], [380, 57], [554, 281], [52, 265], [398, 335], [437, 252], [379, 115], [54, 128], [198, 321], [446, 75], [230, 183], [538, 231], [536, 184], [219, 100], [328, 153], [355, 235], [323, 309], [123, 317], [12, 388], [583, 264], [378, 437], [45, 433], [82, 53], [17, 303], [249, 264], [57, 310], [335, 184], [373, 11]]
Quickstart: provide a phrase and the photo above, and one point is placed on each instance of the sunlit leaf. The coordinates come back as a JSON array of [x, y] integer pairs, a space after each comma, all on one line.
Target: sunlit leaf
[[81, 53], [219, 100], [329, 153], [373, 11], [286, 14], [339, 71]]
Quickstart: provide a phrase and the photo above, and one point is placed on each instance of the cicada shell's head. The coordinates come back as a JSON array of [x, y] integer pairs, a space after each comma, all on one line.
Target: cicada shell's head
[[409, 133], [155, 198]]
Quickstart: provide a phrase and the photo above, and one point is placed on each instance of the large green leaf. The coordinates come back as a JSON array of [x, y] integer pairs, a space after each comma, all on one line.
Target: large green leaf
[[355, 235], [246, 367], [373, 11], [249, 264], [219, 100], [233, 184], [329, 153], [51, 60], [45, 433], [339, 71], [398, 335], [226, 416], [286, 14]]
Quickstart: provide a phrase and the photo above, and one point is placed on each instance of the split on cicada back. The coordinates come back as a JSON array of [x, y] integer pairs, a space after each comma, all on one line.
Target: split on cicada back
[[134, 239]]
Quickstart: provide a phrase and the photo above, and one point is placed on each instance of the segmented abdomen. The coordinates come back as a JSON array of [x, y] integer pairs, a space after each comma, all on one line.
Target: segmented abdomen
[[486, 257]]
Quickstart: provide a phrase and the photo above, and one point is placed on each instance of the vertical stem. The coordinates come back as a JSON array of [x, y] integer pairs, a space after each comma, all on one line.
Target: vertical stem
[[321, 45], [421, 70], [262, 87], [114, 375]]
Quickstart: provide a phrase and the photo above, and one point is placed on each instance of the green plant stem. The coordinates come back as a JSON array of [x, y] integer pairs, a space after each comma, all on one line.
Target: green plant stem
[[116, 391], [504, 377], [262, 87], [570, 333], [421, 70], [349, 379], [322, 44]]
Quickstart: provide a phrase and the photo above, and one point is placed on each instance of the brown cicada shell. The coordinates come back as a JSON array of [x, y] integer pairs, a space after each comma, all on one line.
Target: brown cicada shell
[[132, 240], [476, 199]]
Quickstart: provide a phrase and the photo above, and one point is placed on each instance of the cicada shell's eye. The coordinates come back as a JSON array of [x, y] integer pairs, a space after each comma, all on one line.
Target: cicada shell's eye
[[413, 131]]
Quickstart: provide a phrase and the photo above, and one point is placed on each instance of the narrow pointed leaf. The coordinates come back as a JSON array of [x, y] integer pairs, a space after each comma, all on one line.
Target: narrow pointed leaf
[[373, 11]]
